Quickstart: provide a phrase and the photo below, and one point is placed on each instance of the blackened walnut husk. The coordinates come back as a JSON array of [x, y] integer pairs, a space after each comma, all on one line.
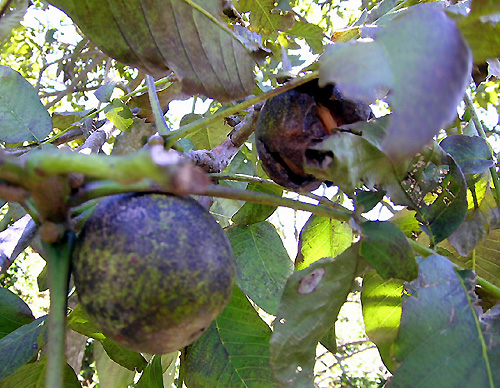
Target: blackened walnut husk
[[294, 121]]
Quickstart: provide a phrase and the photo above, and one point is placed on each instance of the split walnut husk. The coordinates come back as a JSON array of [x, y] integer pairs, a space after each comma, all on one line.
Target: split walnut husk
[[291, 123]]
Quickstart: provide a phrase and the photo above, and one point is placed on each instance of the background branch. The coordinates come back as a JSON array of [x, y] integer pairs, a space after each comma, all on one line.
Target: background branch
[[14, 240], [97, 139], [81, 75]]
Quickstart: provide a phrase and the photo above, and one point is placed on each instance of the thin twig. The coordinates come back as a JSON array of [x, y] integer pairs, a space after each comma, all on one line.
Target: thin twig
[[243, 178], [78, 89], [82, 74], [357, 351], [344, 372]]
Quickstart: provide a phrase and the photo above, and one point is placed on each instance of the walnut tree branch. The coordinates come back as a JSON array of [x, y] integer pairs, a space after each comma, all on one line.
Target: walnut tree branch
[[218, 158]]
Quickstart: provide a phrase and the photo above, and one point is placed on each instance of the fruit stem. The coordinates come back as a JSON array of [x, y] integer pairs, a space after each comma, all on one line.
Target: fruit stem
[[269, 183], [59, 258], [103, 188], [275, 200]]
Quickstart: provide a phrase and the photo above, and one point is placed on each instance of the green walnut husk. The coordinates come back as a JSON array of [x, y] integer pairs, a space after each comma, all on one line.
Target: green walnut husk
[[152, 271]]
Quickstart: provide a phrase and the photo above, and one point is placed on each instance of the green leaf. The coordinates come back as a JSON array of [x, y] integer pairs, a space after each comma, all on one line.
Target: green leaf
[[21, 345], [322, 237], [119, 114], [478, 189], [208, 137], [79, 322], [356, 159], [329, 340], [485, 259], [446, 213], [484, 7], [262, 18], [187, 37], [406, 221], [223, 209], [472, 153], [14, 312], [22, 115], [169, 368], [152, 376], [309, 307], [482, 37], [33, 376], [62, 120], [312, 33], [262, 263], [440, 342], [432, 70], [490, 326], [381, 301], [476, 226], [11, 19], [437, 190], [165, 96], [123, 356], [104, 92], [367, 200], [109, 372], [234, 352], [386, 248], [251, 213], [343, 63]]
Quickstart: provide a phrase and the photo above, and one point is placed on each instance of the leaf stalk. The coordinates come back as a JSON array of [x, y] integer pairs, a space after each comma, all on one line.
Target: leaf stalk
[[485, 284], [480, 129], [161, 123]]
